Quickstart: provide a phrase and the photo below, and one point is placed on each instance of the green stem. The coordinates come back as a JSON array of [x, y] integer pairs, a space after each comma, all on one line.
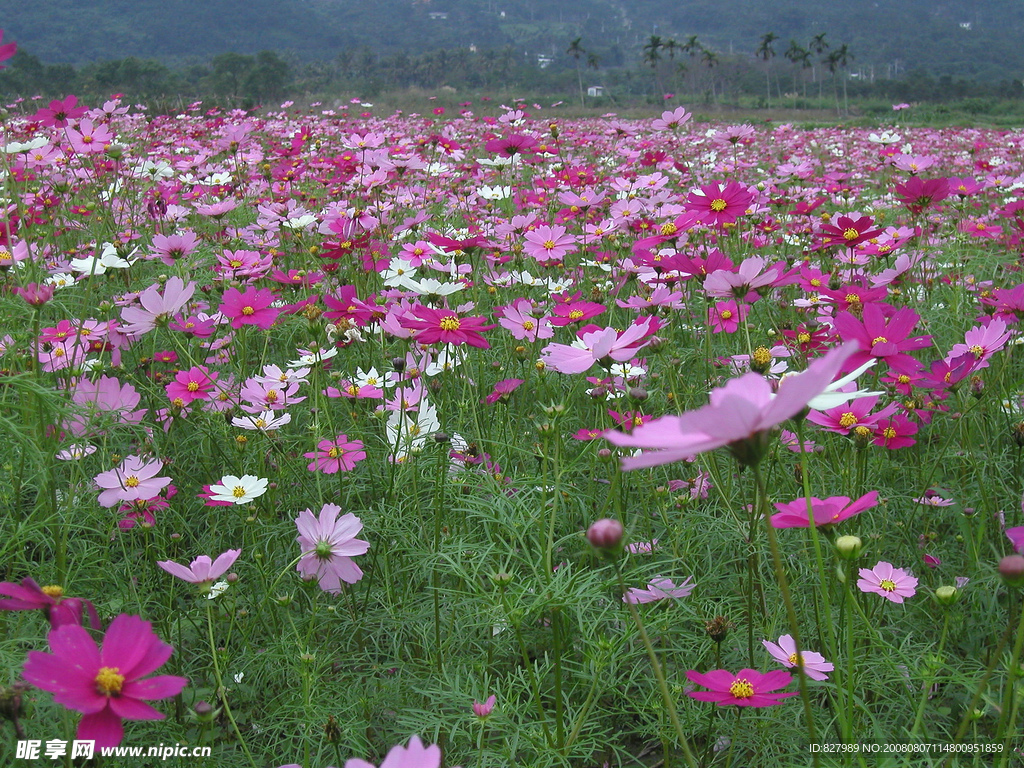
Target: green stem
[[666, 695], [221, 692]]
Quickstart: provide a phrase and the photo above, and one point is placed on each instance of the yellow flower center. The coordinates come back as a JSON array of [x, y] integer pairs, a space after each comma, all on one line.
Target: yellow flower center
[[903, 378], [718, 204], [109, 681], [977, 350], [879, 340], [669, 229], [271, 395], [889, 433], [53, 590], [234, 263], [238, 492], [528, 325], [847, 420], [888, 585], [815, 282], [576, 314], [549, 244], [850, 234], [741, 688], [132, 482], [862, 431], [192, 386], [450, 323], [762, 356], [352, 390], [248, 311], [726, 314], [260, 423], [796, 660], [803, 337], [178, 402], [852, 298], [335, 452]]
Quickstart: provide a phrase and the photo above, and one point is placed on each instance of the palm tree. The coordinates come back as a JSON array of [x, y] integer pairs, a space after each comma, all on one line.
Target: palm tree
[[576, 51], [766, 52], [839, 59], [652, 57], [818, 45], [798, 54], [710, 59]]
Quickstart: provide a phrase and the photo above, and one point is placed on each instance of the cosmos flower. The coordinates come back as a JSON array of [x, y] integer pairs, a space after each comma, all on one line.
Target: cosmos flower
[[746, 688], [202, 570], [238, 490], [337, 455], [812, 664], [659, 589], [328, 545], [106, 684], [893, 584], [830, 511], [135, 478]]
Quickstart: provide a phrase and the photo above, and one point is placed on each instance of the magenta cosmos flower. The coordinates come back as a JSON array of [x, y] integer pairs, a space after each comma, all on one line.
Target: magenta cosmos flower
[[828, 511], [719, 203], [105, 684], [134, 479], [812, 664], [739, 416], [194, 384], [445, 326], [337, 455], [7, 50], [59, 610], [891, 583], [328, 545], [202, 570], [747, 688], [249, 308]]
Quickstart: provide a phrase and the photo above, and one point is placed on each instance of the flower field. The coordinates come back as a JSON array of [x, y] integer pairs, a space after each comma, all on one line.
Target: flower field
[[332, 437]]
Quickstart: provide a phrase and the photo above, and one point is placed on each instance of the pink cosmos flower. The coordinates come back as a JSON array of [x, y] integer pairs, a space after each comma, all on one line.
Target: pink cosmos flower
[[726, 316], [413, 756], [891, 583], [89, 138], [881, 337], [739, 416], [603, 345], [830, 511], [202, 570], [445, 326], [485, 709], [134, 479], [60, 114], [848, 230], [105, 684], [503, 391], [59, 610], [328, 545], [812, 664], [982, 341], [171, 248], [249, 308], [337, 455], [157, 307], [549, 244], [194, 384], [720, 202], [747, 688], [658, 589]]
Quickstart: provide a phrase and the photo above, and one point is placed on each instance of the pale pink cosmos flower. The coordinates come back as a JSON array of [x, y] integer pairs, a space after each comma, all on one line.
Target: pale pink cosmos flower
[[659, 589], [893, 584], [812, 664], [485, 709], [739, 416], [604, 345], [328, 545], [414, 756], [134, 479], [202, 570], [157, 307]]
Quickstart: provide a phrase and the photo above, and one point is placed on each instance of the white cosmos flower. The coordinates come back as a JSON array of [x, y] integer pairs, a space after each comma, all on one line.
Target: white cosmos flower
[[218, 589], [265, 421], [495, 193], [238, 490], [832, 397]]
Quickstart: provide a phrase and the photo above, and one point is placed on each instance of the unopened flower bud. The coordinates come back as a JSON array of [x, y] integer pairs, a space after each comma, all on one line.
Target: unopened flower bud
[[946, 595], [849, 547], [606, 534], [1011, 568], [718, 628], [638, 393]]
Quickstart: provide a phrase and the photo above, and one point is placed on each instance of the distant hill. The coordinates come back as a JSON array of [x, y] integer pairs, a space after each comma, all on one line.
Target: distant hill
[[963, 38]]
